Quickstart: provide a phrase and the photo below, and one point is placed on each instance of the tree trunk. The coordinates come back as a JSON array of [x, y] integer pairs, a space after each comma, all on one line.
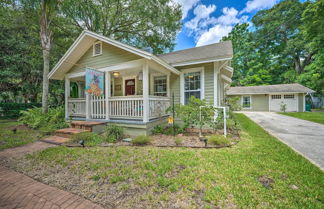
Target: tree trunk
[[45, 37]]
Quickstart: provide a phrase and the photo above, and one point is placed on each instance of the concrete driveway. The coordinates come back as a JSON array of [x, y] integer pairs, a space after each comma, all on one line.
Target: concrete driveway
[[305, 137]]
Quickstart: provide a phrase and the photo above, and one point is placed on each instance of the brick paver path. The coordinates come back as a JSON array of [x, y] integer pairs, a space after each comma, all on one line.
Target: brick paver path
[[20, 191]]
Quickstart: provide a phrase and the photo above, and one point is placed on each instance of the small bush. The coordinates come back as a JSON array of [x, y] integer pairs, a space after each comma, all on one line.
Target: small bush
[[178, 141], [167, 130], [158, 130], [89, 138], [46, 123], [141, 140], [218, 140], [113, 133]]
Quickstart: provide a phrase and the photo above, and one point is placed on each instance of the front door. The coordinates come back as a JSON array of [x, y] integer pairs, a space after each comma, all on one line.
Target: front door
[[130, 87]]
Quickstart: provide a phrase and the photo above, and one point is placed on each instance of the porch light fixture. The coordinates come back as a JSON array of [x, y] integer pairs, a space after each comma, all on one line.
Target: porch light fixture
[[140, 76], [115, 74]]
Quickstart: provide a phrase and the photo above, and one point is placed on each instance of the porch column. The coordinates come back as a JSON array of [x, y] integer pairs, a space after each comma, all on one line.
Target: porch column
[[67, 95], [168, 86], [87, 105], [146, 107], [107, 92], [216, 76]]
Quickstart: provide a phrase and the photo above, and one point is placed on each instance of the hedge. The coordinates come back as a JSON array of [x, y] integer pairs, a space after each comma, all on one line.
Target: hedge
[[12, 110]]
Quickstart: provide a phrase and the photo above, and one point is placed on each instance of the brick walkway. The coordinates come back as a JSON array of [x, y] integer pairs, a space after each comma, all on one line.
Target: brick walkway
[[20, 191]]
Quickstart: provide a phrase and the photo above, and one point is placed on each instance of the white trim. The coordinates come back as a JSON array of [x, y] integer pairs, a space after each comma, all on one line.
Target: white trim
[[146, 108], [237, 94], [227, 79], [67, 95], [123, 66], [229, 69], [199, 61], [202, 82], [115, 43], [297, 97], [152, 75], [246, 108], [93, 48], [75, 75], [107, 92], [216, 74], [129, 78], [304, 102]]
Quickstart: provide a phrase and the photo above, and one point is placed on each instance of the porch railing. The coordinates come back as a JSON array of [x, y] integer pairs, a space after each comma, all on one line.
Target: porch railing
[[97, 107], [158, 106], [77, 107], [126, 107]]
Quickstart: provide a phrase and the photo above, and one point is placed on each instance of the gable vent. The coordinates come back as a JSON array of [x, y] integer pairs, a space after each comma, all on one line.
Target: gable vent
[[97, 48]]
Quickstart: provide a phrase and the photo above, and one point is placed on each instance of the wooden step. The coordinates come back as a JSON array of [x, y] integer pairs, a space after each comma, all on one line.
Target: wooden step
[[85, 125], [68, 132], [55, 140]]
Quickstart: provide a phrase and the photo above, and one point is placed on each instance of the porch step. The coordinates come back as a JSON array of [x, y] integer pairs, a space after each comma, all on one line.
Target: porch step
[[55, 140], [68, 132], [85, 125]]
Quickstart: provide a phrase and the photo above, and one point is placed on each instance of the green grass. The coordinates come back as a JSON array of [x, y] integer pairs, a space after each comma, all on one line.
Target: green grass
[[188, 178], [317, 117], [8, 139]]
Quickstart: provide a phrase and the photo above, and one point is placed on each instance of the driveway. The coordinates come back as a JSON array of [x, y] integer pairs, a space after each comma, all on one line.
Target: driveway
[[305, 137]]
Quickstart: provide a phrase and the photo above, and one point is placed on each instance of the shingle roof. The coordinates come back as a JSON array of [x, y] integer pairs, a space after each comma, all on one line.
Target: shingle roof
[[281, 88], [202, 53]]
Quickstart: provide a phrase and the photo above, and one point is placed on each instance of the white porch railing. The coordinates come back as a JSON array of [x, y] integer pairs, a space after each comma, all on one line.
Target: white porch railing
[[77, 107], [126, 107], [97, 107], [123, 107], [158, 106]]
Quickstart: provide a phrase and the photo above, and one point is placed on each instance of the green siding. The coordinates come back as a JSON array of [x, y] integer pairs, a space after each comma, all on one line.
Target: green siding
[[175, 87], [301, 105], [110, 56]]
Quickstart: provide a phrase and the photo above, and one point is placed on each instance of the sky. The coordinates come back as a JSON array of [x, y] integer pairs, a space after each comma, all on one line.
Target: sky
[[207, 21]]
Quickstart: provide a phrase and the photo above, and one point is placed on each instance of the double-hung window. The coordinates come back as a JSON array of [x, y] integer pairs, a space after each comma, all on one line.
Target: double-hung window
[[192, 85], [160, 86], [246, 101]]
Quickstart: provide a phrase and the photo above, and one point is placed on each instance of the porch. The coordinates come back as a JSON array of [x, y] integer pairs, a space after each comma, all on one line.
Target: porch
[[133, 92]]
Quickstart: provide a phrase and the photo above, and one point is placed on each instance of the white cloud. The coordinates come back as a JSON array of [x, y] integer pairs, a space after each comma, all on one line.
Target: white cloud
[[201, 13], [186, 6], [214, 34], [256, 5]]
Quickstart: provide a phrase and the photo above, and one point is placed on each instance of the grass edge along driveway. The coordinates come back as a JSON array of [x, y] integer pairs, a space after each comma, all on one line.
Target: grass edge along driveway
[[317, 117], [149, 177]]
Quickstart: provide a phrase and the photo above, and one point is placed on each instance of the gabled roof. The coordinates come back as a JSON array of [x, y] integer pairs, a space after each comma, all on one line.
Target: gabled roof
[[82, 44], [281, 88], [209, 53]]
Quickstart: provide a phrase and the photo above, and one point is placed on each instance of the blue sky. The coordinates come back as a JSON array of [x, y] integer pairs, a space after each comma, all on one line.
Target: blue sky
[[207, 21]]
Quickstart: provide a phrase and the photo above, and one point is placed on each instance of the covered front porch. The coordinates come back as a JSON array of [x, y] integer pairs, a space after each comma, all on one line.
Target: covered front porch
[[133, 91]]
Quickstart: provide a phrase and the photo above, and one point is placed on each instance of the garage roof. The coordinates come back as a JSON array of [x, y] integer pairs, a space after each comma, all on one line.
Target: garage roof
[[201, 54], [269, 89]]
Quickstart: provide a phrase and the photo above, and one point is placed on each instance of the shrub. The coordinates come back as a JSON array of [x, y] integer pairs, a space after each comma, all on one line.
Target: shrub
[[141, 140], [113, 133], [158, 129], [46, 123], [13, 110], [89, 138], [178, 141], [218, 140], [168, 130]]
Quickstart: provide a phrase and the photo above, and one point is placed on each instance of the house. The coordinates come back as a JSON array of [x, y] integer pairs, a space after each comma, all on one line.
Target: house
[[138, 85], [271, 97]]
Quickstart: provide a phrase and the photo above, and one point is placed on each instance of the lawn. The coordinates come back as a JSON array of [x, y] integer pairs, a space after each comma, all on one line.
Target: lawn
[[23, 135], [258, 172], [317, 117]]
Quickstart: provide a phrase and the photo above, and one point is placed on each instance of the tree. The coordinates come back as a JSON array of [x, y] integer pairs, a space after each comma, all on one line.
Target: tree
[[142, 23]]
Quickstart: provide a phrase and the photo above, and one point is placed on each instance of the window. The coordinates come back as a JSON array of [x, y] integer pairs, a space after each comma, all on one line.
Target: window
[[160, 86], [192, 83], [275, 96], [97, 48], [289, 96], [246, 101]]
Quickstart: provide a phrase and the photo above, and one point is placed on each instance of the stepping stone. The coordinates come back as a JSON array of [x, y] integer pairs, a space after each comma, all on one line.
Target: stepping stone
[[55, 140]]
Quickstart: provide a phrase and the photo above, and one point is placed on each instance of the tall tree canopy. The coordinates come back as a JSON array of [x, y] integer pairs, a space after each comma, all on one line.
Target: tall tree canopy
[[284, 45]]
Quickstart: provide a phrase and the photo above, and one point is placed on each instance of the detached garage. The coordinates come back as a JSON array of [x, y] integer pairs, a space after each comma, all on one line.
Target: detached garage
[[272, 97]]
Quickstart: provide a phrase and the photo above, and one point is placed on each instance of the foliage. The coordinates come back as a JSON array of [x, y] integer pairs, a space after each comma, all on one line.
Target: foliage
[[22, 136], [234, 103], [12, 110], [89, 138], [141, 23], [113, 132], [283, 107], [284, 46], [141, 140], [218, 140], [47, 123], [168, 130], [177, 141], [163, 176]]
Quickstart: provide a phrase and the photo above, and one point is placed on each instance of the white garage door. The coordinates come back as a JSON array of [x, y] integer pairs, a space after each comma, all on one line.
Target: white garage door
[[278, 100]]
